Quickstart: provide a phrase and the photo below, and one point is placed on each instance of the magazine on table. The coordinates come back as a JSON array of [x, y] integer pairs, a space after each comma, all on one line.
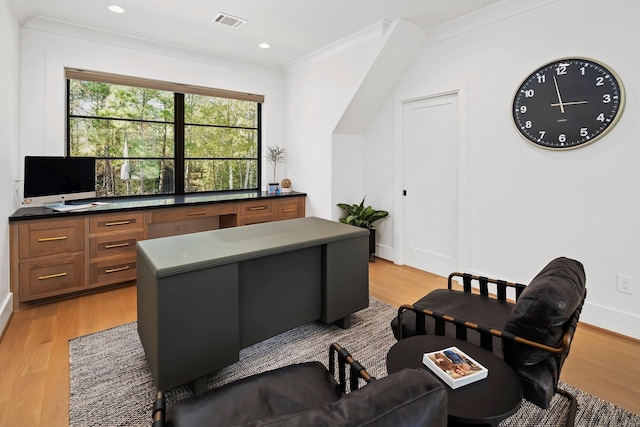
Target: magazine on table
[[454, 367]]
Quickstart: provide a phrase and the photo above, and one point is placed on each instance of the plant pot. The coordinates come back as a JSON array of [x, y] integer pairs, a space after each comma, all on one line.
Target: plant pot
[[372, 245]]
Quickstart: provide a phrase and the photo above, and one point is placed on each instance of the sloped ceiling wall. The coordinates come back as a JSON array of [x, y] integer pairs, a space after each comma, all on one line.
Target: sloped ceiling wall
[[403, 40]]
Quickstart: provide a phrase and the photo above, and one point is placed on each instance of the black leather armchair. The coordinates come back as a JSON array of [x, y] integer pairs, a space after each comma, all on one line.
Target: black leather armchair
[[533, 334], [307, 394]]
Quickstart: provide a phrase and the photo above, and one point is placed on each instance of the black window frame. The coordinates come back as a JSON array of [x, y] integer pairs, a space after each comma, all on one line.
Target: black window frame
[[179, 143]]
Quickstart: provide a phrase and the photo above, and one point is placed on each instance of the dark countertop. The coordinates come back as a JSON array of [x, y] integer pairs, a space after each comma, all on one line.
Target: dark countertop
[[148, 202]]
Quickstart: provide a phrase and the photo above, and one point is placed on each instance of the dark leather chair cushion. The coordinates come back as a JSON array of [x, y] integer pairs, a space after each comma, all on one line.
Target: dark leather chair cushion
[[411, 397], [286, 390], [543, 309], [539, 381], [462, 305]]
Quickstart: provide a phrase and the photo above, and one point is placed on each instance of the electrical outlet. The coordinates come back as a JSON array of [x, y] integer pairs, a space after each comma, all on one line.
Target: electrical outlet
[[625, 284]]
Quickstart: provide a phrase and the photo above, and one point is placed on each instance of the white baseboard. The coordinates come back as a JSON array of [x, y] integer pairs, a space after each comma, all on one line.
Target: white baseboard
[[620, 322], [384, 252], [6, 308]]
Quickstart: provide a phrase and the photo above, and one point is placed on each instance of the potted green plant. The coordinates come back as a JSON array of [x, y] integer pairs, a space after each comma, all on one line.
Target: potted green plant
[[363, 217], [275, 155]]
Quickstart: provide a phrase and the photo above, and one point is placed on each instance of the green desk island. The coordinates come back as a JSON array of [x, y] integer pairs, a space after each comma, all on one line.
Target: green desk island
[[204, 296]]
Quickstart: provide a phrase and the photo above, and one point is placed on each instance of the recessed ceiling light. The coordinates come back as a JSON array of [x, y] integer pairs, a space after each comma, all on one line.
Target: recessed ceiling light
[[115, 8], [264, 45]]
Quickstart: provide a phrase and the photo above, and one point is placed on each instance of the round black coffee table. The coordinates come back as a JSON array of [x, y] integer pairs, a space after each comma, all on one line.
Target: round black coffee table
[[487, 401]]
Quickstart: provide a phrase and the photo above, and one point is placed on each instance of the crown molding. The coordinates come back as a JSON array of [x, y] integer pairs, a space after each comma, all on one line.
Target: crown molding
[[482, 18], [373, 32]]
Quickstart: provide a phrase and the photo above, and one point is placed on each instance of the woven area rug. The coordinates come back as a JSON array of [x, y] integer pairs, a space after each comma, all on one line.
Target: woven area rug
[[111, 384]]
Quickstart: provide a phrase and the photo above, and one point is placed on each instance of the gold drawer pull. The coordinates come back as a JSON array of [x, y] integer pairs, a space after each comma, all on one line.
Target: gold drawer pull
[[258, 208], [115, 270], [51, 239], [289, 210], [109, 224], [52, 276], [195, 213], [116, 245]]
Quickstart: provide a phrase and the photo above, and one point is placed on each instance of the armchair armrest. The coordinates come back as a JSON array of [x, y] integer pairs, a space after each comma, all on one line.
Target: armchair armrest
[[356, 370], [486, 332], [500, 287], [158, 409]]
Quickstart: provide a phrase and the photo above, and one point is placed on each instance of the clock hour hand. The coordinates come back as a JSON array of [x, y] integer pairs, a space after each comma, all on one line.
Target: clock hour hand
[[555, 82]]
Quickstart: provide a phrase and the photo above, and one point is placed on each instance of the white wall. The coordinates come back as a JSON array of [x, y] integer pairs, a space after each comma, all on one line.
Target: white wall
[[331, 98], [317, 96], [347, 164], [523, 205], [45, 55], [9, 137], [379, 172]]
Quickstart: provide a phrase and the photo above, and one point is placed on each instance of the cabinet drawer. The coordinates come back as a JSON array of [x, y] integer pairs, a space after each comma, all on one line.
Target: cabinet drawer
[[258, 208], [174, 228], [50, 277], [191, 212], [254, 220], [51, 237], [112, 270], [114, 244], [118, 222], [289, 208]]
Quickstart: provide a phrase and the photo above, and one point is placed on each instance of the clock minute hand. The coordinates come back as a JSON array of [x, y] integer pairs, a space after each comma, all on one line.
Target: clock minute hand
[[570, 103], [555, 82], [576, 102]]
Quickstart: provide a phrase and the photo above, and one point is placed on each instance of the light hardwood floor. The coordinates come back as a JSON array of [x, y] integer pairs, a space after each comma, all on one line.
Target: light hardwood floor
[[34, 354], [34, 358]]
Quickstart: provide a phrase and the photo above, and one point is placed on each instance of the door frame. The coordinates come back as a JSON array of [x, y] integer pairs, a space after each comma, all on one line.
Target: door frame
[[463, 218]]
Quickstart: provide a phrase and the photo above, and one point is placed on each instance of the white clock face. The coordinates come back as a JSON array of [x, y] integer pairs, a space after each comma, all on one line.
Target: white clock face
[[568, 103]]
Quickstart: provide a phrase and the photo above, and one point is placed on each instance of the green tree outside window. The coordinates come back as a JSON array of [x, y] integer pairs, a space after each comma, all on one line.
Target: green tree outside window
[[133, 134]]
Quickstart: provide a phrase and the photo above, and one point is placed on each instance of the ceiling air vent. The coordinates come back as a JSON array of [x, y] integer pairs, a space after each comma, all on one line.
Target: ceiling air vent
[[229, 21]]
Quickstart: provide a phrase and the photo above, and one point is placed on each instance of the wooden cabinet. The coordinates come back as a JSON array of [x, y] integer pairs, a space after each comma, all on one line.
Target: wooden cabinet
[[191, 212], [39, 238], [50, 257], [187, 219], [255, 212], [53, 257], [47, 277], [288, 208], [258, 211], [112, 247], [116, 222]]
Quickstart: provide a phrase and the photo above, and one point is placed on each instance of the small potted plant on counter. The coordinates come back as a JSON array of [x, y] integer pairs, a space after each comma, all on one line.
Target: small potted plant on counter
[[363, 217], [275, 155]]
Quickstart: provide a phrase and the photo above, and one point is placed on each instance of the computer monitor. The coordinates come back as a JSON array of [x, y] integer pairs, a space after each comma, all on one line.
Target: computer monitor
[[49, 179]]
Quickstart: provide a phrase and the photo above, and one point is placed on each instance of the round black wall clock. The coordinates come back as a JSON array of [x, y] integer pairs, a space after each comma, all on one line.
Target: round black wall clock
[[568, 103]]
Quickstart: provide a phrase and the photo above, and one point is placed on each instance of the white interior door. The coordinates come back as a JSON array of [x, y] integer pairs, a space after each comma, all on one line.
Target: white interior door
[[430, 177]]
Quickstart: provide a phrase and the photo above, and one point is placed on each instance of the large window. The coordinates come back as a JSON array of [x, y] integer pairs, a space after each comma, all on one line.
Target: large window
[[150, 140]]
